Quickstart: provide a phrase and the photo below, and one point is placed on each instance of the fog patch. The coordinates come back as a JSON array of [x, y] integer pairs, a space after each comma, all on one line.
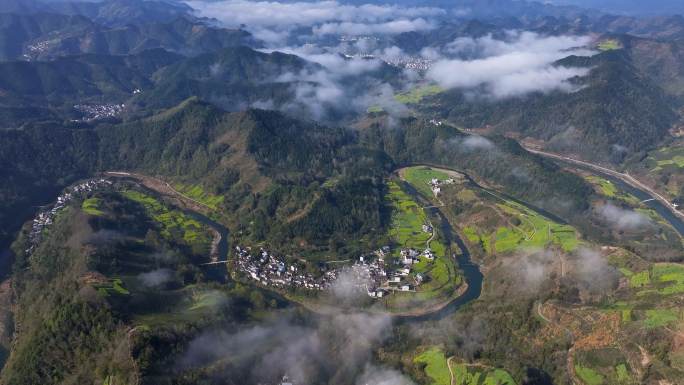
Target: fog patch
[[532, 269], [516, 66], [624, 219], [156, 277], [378, 376], [286, 346]]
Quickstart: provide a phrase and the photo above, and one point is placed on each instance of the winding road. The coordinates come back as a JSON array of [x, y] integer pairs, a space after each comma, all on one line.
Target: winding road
[[625, 177]]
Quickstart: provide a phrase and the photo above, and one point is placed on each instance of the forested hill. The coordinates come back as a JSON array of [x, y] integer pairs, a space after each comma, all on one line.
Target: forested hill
[[196, 141], [617, 107], [246, 155], [44, 36]]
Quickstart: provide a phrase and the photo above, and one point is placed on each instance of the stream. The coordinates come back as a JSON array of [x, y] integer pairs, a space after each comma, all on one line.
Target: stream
[[654, 204]]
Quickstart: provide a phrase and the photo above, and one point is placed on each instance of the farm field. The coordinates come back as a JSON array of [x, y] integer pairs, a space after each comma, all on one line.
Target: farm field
[[436, 367], [609, 45], [175, 224], [115, 287], [417, 176], [415, 96], [198, 194], [480, 375], [91, 206], [532, 232], [407, 221], [609, 190]]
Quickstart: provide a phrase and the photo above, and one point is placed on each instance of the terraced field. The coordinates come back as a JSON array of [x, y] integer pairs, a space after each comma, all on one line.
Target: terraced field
[[197, 193], [175, 224], [91, 206], [532, 233]]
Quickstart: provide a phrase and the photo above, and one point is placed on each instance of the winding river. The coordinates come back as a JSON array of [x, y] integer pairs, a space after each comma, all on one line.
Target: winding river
[[471, 271]]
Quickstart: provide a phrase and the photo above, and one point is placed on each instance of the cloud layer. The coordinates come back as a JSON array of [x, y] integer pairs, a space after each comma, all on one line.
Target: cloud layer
[[326, 17], [519, 65]]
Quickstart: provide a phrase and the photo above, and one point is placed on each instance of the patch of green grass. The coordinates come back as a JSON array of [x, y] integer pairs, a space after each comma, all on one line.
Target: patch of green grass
[[486, 242], [415, 96], [658, 318], [478, 375], [436, 367], [609, 45], [91, 206], [626, 315], [418, 176], [466, 195], [115, 287], [640, 279], [470, 234], [507, 239], [626, 272], [376, 108], [196, 192], [206, 300], [589, 376], [622, 373]]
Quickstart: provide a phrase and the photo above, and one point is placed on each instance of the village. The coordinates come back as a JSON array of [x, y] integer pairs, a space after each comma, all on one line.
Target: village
[[371, 275], [47, 218], [92, 112]]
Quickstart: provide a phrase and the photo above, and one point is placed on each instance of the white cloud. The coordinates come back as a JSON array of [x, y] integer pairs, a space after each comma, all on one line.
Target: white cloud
[[389, 28], [624, 219], [330, 16], [519, 65]]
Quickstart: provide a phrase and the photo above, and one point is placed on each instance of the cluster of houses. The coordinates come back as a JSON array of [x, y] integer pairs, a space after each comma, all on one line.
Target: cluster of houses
[[370, 275], [46, 218], [436, 122], [408, 62], [92, 112], [272, 271], [43, 45], [435, 183]]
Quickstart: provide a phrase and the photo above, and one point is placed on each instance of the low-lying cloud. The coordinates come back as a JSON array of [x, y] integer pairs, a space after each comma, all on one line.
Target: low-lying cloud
[[326, 17], [624, 219], [285, 347], [516, 66], [156, 277]]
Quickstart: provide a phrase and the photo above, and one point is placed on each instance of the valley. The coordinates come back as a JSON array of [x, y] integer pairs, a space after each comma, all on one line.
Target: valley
[[341, 193]]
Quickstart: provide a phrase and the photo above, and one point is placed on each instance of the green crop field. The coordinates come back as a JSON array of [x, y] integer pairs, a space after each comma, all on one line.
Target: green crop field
[[622, 373], [407, 220], [608, 188], [589, 376], [436, 367], [175, 224], [91, 206], [640, 279], [658, 318], [198, 194], [470, 234], [417, 176], [113, 288], [609, 45], [508, 239], [415, 96], [626, 272], [478, 375]]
